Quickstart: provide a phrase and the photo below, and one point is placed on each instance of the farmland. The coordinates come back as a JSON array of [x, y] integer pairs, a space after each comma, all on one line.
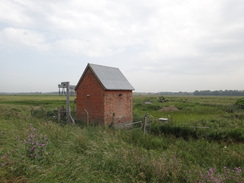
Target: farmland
[[203, 141]]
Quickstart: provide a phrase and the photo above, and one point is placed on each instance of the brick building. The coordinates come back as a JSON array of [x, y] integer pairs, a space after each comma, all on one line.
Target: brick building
[[103, 95]]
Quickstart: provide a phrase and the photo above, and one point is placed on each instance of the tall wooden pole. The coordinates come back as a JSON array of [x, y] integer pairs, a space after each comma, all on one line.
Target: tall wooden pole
[[67, 103]]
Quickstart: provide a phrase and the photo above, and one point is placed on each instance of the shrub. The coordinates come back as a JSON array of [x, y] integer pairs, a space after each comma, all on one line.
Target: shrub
[[240, 103], [162, 99], [153, 107]]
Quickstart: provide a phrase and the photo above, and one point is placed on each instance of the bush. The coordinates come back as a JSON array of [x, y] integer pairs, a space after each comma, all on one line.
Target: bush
[[240, 103], [162, 99], [153, 107]]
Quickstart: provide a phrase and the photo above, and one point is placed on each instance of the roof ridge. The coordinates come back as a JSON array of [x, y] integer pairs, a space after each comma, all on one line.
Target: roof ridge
[[102, 65]]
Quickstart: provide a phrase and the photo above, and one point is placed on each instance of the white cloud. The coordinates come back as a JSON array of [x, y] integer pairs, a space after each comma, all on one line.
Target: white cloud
[[193, 40], [12, 13], [21, 37], [92, 48]]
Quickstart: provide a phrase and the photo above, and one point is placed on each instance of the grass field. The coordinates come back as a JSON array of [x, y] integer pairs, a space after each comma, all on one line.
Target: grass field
[[38, 149]]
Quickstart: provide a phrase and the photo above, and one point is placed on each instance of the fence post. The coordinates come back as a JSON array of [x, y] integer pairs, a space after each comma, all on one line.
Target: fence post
[[71, 118], [87, 117], [112, 123], [67, 103], [145, 123], [59, 114], [42, 111], [32, 109]]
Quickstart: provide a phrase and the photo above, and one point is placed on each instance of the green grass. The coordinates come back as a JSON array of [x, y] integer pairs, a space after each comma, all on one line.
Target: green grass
[[100, 154], [35, 100], [192, 109]]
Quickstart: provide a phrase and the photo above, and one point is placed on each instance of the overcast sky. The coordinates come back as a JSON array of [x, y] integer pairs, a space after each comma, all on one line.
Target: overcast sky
[[159, 45]]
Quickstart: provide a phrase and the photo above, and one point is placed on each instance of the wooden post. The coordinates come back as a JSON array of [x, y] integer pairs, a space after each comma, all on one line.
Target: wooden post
[[112, 123], [87, 117], [113, 118], [32, 111], [145, 120], [71, 118], [67, 103], [42, 111], [59, 114]]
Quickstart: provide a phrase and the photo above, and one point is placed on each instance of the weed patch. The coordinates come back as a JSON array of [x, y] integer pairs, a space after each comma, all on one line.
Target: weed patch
[[29, 153]]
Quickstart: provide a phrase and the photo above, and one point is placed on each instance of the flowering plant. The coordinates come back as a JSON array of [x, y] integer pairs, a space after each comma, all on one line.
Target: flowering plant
[[34, 145], [227, 175], [29, 150]]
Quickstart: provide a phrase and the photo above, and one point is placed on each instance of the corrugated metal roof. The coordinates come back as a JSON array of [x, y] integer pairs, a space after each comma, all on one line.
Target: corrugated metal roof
[[111, 78]]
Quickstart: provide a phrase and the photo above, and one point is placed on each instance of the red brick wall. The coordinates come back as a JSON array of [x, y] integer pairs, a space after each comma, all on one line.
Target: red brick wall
[[120, 103], [90, 97], [101, 104]]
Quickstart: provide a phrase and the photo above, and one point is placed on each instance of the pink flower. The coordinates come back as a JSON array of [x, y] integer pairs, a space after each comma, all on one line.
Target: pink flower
[[4, 156]]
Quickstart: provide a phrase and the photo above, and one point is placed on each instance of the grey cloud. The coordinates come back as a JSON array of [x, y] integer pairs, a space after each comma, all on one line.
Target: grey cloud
[[179, 39]]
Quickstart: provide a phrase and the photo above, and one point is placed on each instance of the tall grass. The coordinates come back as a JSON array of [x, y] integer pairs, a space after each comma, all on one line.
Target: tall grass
[[100, 154]]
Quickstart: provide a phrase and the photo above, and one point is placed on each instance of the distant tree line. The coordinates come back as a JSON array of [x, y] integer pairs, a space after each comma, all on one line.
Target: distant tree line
[[207, 93], [220, 92], [174, 93]]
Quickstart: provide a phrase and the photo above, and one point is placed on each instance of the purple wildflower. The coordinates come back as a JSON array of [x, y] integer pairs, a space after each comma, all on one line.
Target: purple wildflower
[[4, 156]]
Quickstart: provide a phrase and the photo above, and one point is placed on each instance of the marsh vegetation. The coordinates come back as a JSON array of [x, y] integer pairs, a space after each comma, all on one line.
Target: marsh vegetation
[[38, 149]]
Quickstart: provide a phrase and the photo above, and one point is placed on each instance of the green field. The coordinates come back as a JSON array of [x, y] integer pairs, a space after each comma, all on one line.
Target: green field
[[202, 142]]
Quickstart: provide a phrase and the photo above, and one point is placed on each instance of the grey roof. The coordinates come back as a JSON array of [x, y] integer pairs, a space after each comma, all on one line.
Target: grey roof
[[111, 78]]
